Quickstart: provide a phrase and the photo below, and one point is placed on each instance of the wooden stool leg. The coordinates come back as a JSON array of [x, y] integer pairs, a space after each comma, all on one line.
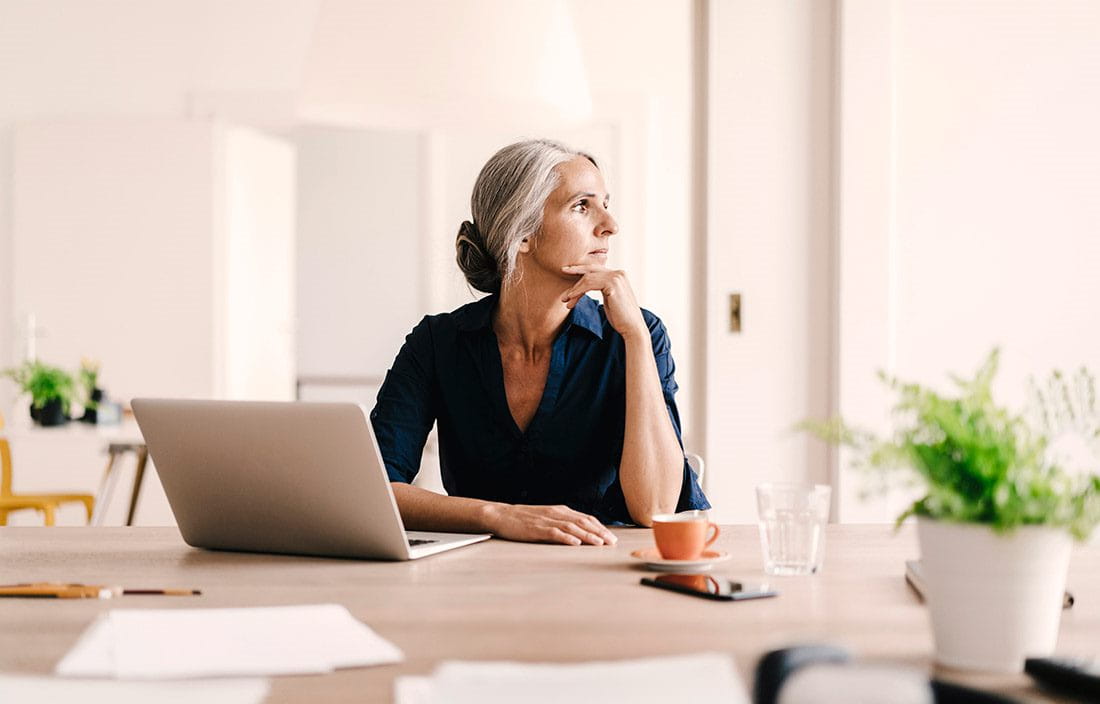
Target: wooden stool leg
[[3, 518], [139, 475], [106, 488], [48, 510]]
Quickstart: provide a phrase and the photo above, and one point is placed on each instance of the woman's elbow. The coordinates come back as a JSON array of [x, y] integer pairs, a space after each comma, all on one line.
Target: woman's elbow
[[644, 516]]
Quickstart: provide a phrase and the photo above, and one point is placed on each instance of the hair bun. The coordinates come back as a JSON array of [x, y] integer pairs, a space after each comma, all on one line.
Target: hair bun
[[478, 266]]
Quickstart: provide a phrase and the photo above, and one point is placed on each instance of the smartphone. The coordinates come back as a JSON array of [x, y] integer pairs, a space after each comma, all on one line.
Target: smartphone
[[710, 587]]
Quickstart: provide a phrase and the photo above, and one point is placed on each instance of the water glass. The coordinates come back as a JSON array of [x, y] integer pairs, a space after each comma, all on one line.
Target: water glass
[[792, 527]]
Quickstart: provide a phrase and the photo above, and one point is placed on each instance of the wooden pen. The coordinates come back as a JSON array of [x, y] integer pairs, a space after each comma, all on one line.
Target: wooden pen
[[45, 590], [51, 590]]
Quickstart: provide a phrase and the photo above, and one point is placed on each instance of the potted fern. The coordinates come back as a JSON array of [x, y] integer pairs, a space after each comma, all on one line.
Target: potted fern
[[1002, 502], [52, 391], [92, 394]]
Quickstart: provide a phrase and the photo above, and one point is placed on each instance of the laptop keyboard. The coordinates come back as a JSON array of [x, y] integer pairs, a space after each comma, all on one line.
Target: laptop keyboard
[[413, 542]]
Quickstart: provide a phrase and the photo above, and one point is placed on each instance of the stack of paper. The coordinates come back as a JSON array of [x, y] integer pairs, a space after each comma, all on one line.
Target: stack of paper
[[183, 643], [706, 677]]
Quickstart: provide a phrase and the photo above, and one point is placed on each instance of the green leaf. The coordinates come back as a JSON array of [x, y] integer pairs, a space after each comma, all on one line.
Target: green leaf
[[44, 383], [978, 462]]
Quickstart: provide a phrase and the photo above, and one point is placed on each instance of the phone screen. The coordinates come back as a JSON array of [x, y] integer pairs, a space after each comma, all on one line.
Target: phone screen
[[710, 586]]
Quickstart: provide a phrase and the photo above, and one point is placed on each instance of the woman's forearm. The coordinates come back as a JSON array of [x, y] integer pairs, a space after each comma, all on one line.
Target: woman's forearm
[[422, 509], [651, 469], [426, 510]]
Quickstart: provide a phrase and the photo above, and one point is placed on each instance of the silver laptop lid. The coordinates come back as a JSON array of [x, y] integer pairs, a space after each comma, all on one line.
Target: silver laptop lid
[[297, 478]]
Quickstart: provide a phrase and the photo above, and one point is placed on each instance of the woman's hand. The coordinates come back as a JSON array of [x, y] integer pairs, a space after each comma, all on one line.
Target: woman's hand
[[619, 303], [547, 524]]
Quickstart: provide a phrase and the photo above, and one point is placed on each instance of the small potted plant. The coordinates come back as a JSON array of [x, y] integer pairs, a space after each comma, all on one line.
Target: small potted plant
[[1001, 504], [51, 389], [89, 382]]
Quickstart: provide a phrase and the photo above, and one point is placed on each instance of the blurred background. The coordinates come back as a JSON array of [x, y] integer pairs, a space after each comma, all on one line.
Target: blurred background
[[258, 198]]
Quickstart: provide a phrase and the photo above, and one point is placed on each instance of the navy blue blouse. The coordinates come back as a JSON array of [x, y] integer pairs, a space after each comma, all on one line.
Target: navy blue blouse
[[449, 370]]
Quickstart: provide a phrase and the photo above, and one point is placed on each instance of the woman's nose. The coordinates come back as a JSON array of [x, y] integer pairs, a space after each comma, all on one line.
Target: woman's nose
[[608, 226]]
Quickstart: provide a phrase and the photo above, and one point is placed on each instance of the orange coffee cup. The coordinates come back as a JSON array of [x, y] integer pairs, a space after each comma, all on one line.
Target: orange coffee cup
[[683, 536]]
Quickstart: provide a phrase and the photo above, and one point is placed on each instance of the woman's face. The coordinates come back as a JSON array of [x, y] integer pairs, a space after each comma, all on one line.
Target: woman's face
[[576, 225]]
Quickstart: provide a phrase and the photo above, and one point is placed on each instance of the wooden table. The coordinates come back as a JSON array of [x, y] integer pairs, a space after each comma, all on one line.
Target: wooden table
[[501, 600]]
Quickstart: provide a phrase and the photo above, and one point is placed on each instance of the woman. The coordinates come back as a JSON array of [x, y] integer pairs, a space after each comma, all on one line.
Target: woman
[[556, 414]]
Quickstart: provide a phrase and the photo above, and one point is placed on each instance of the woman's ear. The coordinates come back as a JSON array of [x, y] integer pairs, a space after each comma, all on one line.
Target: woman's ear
[[525, 245]]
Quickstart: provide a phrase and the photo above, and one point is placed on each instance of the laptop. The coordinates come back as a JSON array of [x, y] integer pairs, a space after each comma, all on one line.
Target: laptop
[[294, 478]]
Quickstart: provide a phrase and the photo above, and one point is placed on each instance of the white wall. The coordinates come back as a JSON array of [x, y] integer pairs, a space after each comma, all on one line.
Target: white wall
[[931, 167], [770, 224], [113, 250], [998, 176], [985, 116], [258, 180], [161, 248], [360, 265], [866, 234], [71, 59]]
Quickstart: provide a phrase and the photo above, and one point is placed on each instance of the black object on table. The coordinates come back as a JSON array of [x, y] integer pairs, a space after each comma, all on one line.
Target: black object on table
[[1075, 677]]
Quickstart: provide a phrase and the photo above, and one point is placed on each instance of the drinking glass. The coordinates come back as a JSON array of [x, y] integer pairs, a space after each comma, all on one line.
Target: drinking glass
[[792, 526]]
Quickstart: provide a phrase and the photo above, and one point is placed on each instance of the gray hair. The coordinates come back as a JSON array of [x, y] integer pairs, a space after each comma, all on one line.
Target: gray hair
[[506, 205]]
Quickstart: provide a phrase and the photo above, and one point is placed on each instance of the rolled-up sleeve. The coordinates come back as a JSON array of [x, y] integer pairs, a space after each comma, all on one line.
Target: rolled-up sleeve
[[691, 494], [404, 412]]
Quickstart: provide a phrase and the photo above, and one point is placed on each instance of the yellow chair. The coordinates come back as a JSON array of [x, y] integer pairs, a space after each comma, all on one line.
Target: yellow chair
[[46, 503]]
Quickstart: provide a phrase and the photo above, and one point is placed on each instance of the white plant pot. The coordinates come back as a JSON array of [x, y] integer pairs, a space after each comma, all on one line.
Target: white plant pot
[[994, 599]]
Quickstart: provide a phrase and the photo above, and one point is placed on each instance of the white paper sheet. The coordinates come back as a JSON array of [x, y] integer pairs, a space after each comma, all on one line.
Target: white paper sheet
[[186, 643], [701, 677], [412, 689], [94, 653], [53, 689]]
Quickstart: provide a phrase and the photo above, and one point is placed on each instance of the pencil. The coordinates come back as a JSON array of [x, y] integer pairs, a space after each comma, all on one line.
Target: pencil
[[56, 591], [51, 590]]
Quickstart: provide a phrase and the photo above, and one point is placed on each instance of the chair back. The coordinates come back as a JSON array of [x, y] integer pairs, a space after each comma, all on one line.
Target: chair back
[[5, 463], [696, 465], [5, 467]]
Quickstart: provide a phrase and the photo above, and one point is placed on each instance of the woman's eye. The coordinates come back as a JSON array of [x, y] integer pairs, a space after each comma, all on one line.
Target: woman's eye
[[581, 206]]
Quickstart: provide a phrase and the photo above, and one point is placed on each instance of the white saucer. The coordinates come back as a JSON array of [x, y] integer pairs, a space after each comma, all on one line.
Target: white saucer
[[653, 560]]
